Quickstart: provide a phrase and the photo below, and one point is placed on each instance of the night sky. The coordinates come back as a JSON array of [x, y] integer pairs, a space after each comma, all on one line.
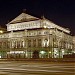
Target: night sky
[[61, 12]]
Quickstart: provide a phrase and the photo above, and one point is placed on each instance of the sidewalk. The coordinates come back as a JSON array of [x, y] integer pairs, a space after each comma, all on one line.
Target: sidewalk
[[43, 60]]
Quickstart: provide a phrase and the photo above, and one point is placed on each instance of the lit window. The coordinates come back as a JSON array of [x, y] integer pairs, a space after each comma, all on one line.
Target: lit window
[[45, 42], [45, 27]]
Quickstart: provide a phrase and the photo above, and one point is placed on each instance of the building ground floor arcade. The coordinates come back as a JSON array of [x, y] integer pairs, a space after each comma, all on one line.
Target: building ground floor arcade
[[34, 53]]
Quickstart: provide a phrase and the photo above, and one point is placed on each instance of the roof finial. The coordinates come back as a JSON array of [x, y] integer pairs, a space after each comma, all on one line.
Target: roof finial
[[8, 21], [24, 10], [43, 17]]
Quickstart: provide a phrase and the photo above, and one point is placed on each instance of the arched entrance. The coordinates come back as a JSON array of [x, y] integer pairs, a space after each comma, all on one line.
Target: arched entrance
[[35, 54]]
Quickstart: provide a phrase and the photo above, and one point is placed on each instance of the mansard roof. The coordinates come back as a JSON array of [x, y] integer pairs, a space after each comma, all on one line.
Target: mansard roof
[[23, 17]]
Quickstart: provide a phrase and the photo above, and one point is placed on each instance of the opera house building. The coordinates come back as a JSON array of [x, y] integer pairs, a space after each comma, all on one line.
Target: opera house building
[[31, 37]]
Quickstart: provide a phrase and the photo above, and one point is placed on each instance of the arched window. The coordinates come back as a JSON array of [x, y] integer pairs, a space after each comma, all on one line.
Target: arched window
[[46, 41]]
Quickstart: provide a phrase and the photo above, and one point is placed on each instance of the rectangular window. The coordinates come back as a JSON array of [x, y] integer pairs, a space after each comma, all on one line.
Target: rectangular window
[[29, 43], [39, 42], [34, 43]]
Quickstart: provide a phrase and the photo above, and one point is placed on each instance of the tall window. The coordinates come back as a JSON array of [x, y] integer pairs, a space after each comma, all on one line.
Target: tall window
[[21, 44], [8, 44], [0, 44], [4, 44], [39, 42], [34, 43], [46, 40], [18, 44], [29, 43], [14, 46]]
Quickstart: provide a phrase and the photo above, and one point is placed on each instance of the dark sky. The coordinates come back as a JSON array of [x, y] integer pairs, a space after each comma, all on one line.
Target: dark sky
[[61, 12]]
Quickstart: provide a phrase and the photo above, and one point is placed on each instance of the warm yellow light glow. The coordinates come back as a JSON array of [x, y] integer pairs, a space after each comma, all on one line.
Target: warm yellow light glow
[[73, 51], [45, 27], [1, 31], [49, 51], [63, 51], [0, 56]]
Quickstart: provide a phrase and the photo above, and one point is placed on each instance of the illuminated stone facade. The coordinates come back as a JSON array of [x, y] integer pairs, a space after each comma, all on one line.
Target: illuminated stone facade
[[74, 43], [31, 37]]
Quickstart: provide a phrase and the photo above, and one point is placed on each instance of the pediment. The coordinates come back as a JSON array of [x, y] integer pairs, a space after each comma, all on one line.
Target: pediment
[[22, 18]]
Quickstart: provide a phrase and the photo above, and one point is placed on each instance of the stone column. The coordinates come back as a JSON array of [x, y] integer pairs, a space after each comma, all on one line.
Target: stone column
[[20, 44], [36, 42], [31, 48], [16, 44], [12, 44]]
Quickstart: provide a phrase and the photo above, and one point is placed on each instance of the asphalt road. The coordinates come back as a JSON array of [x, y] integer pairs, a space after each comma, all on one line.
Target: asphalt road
[[36, 68]]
